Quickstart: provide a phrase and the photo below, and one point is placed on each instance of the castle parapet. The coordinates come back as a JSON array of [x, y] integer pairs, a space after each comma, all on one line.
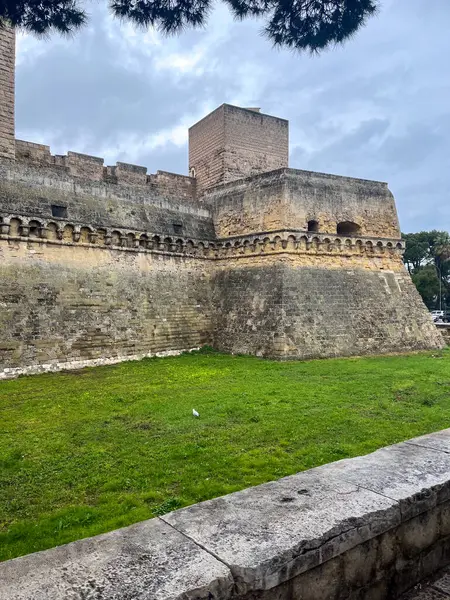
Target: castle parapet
[[84, 165], [127, 173], [33, 153], [173, 184], [306, 201], [368, 253], [92, 168]]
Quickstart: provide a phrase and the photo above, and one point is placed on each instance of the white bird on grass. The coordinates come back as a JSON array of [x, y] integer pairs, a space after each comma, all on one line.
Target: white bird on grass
[[195, 413]]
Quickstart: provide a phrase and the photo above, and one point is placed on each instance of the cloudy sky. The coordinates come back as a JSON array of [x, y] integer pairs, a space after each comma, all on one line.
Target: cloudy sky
[[377, 108]]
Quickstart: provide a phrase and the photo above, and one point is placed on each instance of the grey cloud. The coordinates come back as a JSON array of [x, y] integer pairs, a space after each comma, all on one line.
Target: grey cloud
[[81, 89], [344, 156]]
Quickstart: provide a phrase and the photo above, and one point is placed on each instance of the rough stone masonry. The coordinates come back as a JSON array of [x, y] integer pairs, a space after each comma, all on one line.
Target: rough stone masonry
[[106, 263]]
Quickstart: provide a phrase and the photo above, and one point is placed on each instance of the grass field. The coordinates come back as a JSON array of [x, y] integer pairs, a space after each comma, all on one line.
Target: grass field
[[85, 452]]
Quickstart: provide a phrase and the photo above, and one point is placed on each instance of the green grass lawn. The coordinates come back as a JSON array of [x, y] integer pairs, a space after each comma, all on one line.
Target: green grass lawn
[[85, 452]]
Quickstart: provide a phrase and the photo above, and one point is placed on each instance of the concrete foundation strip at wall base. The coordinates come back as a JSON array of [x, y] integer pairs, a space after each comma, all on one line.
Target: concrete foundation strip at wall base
[[364, 528], [12, 372]]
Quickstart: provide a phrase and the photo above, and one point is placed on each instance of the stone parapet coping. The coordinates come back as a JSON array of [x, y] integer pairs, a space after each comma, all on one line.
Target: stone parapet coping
[[253, 543]]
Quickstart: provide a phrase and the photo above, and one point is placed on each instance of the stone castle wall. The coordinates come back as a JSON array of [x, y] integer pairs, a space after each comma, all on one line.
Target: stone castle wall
[[7, 62], [67, 304], [97, 267], [294, 199], [301, 306], [92, 168], [72, 194], [73, 296], [103, 263], [97, 264]]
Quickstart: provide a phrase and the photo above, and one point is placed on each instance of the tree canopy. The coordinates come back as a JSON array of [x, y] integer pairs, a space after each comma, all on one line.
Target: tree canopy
[[310, 25], [427, 258]]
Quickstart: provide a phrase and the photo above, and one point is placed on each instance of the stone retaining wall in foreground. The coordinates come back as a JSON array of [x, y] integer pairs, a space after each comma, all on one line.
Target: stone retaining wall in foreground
[[364, 528]]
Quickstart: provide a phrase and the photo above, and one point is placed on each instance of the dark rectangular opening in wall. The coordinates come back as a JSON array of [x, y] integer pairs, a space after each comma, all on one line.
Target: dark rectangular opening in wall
[[177, 228], [59, 211]]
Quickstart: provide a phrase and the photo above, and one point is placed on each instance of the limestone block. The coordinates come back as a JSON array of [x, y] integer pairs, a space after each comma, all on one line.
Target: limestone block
[[438, 441], [149, 561], [271, 533], [417, 477]]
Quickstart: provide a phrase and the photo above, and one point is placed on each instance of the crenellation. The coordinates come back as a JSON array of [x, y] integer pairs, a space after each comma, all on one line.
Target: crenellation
[[129, 174], [84, 165], [34, 153], [91, 168], [173, 184]]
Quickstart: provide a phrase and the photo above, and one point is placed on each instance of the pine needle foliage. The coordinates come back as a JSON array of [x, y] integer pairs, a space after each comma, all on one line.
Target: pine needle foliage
[[302, 25]]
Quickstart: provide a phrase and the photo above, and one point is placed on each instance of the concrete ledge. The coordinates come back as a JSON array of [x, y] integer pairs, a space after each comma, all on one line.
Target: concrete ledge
[[273, 532], [368, 527], [147, 560]]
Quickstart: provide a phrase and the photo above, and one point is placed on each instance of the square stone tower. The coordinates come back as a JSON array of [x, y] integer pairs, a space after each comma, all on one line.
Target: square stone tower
[[233, 142], [7, 68]]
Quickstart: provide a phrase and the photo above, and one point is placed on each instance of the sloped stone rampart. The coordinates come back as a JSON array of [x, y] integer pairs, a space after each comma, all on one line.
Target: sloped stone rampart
[[367, 528], [293, 309]]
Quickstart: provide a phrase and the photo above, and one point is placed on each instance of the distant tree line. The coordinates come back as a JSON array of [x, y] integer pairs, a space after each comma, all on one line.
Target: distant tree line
[[427, 258]]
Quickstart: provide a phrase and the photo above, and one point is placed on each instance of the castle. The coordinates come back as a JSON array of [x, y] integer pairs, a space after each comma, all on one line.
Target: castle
[[100, 264]]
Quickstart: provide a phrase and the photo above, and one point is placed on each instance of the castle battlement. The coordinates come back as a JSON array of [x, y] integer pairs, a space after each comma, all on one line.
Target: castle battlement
[[92, 168], [103, 263]]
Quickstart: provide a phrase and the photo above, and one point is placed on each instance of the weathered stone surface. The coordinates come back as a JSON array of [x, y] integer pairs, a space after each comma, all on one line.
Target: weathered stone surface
[[233, 142], [417, 477], [31, 189], [291, 199], [100, 263], [427, 593], [7, 61], [82, 306], [147, 561], [273, 532], [440, 440], [282, 308], [436, 588]]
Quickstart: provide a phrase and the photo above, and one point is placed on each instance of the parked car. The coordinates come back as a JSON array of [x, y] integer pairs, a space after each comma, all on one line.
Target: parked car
[[440, 315], [436, 314]]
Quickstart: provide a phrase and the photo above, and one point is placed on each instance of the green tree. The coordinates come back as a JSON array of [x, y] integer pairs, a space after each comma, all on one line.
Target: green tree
[[310, 25], [416, 251], [427, 258], [427, 283]]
